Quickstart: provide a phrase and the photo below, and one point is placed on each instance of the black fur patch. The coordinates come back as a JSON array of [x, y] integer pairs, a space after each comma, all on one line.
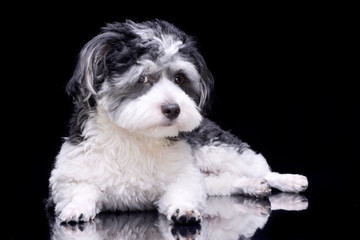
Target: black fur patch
[[208, 133]]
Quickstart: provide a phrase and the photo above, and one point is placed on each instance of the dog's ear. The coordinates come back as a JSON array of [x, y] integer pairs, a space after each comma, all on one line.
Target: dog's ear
[[90, 70], [206, 82]]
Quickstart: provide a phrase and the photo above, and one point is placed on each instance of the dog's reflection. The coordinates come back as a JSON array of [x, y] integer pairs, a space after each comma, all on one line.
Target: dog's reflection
[[224, 218]]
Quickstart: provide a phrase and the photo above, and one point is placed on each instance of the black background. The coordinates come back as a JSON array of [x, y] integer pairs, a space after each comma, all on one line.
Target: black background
[[284, 83]]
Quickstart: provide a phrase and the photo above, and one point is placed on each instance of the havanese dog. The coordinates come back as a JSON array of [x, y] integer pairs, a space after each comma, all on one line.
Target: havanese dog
[[138, 139]]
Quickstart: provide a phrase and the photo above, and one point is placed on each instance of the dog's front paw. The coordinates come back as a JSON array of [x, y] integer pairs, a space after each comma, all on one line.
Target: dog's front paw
[[77, 212], [185, 216]]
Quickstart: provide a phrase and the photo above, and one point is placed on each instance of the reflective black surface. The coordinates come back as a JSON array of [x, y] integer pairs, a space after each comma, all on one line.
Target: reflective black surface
[[224, 218], [281, 216]]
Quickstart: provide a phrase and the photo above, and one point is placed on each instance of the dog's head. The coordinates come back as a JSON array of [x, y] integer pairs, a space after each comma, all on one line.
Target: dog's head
[[149, 77]]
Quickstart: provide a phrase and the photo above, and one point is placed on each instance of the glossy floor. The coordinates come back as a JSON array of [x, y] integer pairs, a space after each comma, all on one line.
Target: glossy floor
[[317, 214], [224, 218]]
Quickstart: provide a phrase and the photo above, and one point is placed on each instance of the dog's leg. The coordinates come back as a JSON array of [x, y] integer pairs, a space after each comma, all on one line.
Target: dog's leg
[[75, 201], [231, 167], [247, 173], [228, 184], [287, 182], [185, 197], [228, 172], [257, 187], [71, 183]]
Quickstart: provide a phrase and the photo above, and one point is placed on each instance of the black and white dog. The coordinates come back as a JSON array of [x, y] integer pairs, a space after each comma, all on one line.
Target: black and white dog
[[138, 140]]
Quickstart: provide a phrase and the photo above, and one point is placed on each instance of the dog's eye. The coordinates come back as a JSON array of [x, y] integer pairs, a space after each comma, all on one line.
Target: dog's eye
[[179, 78], [144, 79]]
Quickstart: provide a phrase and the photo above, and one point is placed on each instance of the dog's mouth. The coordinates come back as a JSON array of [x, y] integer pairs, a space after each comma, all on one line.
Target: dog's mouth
[[168, 123], [163, 124], [165, 128]]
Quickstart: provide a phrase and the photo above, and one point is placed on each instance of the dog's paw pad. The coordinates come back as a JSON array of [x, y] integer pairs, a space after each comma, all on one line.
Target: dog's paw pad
[[188, 216]]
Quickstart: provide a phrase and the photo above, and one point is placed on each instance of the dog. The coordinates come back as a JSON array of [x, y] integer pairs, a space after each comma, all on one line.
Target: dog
[[138, 139]]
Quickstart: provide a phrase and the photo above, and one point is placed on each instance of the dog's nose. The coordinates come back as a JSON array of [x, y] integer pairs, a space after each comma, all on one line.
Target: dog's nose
[[171, 111]]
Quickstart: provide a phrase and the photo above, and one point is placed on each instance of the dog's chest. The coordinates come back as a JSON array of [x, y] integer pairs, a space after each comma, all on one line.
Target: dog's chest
[[137, 172], [134, 166], [133, 188]]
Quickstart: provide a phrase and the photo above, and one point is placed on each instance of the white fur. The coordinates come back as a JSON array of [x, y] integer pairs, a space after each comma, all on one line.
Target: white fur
[[119, 170], [228, 172], [166, 42]]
